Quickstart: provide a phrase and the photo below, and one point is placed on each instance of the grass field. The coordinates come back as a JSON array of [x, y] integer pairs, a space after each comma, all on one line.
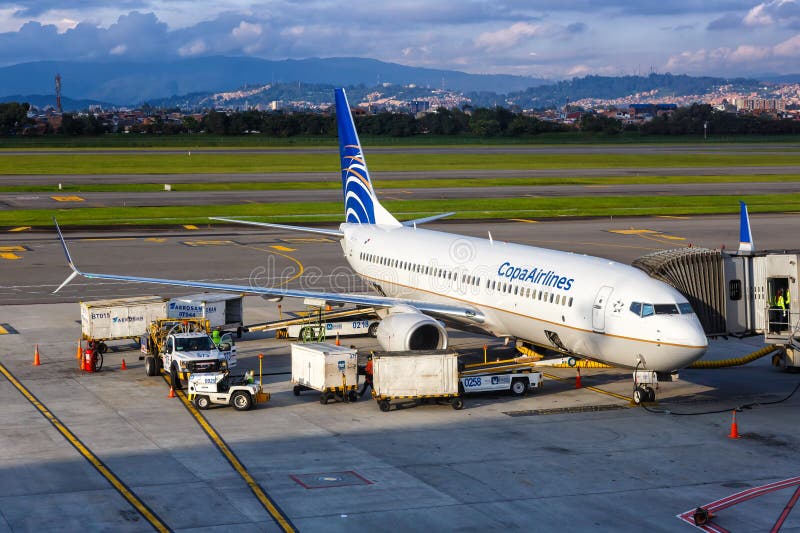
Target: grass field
[[465, 209], [334, 183], [261, 141], [150, 163]]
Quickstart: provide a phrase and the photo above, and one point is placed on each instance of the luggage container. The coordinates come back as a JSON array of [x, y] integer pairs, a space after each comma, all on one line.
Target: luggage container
[[224, 311], [119, 318], [415, 377], [326, 368]]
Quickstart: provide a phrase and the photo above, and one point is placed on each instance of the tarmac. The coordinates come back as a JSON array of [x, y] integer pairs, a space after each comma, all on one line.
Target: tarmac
[[560, 458]]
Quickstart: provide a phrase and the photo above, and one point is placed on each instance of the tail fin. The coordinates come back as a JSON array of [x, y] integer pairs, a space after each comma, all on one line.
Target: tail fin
[[360, 203], [745, 236]]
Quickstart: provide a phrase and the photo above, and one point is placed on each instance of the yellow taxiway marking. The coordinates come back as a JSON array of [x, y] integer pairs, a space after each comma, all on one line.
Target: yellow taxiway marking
[[672, 216], [206, 243], [95, 461], [282, 248], [190, 226], [21, 228], [271, 507], [9, 256], [3, 331], [672, 237], [156, 239], [13, 249], [632, 231], [301, 240], [67, 198], [593, 389], [524, 220]]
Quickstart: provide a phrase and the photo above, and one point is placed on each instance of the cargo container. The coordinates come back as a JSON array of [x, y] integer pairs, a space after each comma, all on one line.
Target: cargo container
[[120, 318], [326, 368], [224, 311], [414, 376]]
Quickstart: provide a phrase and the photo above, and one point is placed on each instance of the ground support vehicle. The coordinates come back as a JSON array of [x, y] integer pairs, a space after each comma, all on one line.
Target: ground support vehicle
[[183, 347], [326, 368], [644, 382], [415, 377], [315, 324], [222, 388], [119, 318], [224, 311], [518, 383]]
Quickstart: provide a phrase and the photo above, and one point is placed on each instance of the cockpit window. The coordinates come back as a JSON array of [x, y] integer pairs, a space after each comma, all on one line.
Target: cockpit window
[[666, 309], [636, 308], [647, 309], [686, 308]]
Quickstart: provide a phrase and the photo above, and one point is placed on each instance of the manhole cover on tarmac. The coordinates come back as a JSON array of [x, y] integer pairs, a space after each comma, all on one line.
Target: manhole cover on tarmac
[[327, 480]]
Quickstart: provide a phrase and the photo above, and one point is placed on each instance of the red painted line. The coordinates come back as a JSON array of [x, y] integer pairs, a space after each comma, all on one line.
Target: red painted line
[[786, 510]]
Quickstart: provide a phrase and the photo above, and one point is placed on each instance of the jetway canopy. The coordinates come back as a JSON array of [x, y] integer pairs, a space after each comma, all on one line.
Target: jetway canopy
[[698, 274], [734, 293]]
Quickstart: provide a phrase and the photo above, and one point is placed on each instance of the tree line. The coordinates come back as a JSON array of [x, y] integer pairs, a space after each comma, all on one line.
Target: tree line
[[480, 122]]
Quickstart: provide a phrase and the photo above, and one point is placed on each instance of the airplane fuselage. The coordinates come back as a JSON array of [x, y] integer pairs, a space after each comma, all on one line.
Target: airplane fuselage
[[589, 306]]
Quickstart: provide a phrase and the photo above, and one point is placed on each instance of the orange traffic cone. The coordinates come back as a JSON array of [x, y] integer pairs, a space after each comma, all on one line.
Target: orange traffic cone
[[36, 356], [578, 384], [171, 393], [123, 366], [337, 340], [734, 428], [79, 352]]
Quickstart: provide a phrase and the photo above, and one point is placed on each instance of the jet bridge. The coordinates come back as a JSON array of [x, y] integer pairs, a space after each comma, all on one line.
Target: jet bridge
[[736, 293]]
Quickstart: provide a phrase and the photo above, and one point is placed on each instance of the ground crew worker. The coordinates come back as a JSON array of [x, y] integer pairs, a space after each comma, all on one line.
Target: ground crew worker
[[780, 303], [787, 299], [216, 337], [367, 377]]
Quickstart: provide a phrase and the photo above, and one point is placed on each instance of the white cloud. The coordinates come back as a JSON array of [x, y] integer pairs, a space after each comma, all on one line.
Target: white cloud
[[118, 50], [246, 31], [507, 37], [745, 57], [194, 48]]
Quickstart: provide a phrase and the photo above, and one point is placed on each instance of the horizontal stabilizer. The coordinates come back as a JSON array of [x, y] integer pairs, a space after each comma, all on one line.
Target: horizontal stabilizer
[[409, 223], [321, 231]]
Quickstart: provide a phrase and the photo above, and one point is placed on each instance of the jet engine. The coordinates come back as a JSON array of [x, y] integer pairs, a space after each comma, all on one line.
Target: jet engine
[[411, 331]]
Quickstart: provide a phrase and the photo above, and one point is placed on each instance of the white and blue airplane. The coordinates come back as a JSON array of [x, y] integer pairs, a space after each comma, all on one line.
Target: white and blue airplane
[[581, 305]]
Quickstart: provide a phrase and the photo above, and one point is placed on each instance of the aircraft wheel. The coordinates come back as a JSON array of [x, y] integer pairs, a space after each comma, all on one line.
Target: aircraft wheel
[[638, 395], [651, 394]]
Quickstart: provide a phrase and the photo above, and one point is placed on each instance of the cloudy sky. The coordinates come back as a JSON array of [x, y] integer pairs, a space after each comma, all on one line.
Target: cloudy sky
[[544, 38]]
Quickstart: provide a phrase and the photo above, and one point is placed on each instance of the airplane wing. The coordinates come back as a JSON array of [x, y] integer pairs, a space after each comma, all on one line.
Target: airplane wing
[[459, 314]]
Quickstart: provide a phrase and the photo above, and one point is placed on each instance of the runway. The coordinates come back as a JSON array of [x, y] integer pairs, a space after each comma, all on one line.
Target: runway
[[102, 179], [180, 198]]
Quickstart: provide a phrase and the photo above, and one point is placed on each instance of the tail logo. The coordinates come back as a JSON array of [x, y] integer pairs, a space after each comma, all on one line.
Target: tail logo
[[358, 194]]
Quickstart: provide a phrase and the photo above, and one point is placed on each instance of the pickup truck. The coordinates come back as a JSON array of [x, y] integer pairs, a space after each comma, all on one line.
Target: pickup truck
[[184, 353]]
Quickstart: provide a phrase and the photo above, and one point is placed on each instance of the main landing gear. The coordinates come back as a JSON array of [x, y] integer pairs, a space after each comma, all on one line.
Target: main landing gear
[[645, 383]]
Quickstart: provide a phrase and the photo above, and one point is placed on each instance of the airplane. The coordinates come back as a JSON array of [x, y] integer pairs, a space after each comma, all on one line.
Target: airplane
[[577, 304]]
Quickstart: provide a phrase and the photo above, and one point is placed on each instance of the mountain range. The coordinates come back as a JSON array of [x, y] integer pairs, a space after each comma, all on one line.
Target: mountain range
[[129, 83]]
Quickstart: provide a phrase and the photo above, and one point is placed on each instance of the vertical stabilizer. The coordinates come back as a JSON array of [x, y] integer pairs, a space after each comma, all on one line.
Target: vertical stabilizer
[[361, 206], [745, 236]]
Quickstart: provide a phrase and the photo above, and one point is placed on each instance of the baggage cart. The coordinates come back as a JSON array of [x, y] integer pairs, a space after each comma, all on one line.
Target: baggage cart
[[414, 377], [326, 368]]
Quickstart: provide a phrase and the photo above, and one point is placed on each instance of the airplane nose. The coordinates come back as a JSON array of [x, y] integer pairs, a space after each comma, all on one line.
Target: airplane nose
[[695, 343]]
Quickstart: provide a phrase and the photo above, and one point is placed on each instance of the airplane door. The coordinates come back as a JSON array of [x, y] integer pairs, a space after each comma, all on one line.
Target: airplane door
[[599, 308]]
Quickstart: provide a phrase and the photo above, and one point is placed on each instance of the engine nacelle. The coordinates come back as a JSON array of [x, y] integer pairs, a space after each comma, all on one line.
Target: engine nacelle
[[411, 331]]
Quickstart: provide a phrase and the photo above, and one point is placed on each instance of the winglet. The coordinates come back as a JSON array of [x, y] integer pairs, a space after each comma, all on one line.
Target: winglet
[[746, 245], [75, 271]]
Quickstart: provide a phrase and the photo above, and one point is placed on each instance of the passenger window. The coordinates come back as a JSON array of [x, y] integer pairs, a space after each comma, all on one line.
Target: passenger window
[[551, 297], [570, 301], [647, 310]]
